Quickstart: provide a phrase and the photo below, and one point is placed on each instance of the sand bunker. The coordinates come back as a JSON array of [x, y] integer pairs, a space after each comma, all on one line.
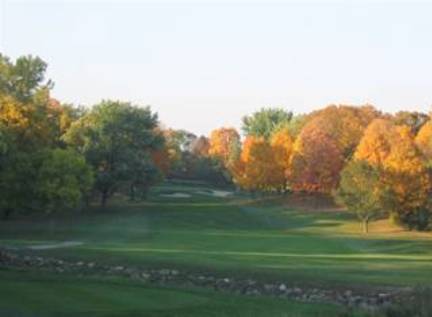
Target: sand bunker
[[176, 195], [64, 244], [215, 193]]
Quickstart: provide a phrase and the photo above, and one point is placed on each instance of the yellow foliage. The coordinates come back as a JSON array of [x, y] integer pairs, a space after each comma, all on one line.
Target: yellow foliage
[[424, 140], [256, 168], [222, 142]]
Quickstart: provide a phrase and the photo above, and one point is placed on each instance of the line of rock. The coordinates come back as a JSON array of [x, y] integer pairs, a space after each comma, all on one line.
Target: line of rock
[[250, 287]]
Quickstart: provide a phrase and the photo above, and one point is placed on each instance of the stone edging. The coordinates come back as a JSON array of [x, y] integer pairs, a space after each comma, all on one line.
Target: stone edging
[[241, 286]]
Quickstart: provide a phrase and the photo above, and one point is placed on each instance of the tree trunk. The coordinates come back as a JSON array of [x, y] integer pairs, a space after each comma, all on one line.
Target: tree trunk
[[104, 198], [365, 225], [6, 214]]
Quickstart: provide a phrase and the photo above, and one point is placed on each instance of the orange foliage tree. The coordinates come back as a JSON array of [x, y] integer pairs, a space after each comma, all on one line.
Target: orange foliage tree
[[316, 161], [256, 168], [344, 124], [405, 180], [424, 140], [223, 143]]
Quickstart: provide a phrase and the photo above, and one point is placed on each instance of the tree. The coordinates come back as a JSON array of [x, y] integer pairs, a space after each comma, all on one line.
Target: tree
[[409, 182], [256, 168], [375, 145], [424, 140], [200, 146], [413, 119], [282, 148], [223, 143], [316, 161], [361, 191], [24, 78], [392, 150], [117, 139], [344, 124], [264, 122], [63, 180]]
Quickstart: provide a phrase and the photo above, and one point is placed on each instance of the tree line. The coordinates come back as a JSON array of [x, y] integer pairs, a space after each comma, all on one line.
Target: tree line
[[56, 156]]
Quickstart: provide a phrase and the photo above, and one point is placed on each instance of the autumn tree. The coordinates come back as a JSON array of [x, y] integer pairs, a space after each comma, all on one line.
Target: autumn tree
[[223, 143], [30, 122], [392, 150], [424, 141], [200, 146], [256, 168], [316, 161], [344, 124], [406, 175], [265, 121], [376, 143], [413, 119]]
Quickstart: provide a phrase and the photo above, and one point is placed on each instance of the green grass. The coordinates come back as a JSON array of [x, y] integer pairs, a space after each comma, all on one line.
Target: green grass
[[297, 239], [27, 294]]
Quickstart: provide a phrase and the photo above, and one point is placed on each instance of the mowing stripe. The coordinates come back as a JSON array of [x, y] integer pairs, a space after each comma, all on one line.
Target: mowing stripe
[[268, 254]]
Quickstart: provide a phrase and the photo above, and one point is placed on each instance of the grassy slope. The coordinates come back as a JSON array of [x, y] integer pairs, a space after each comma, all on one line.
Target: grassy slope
[[265, 238], [26, 294], [240, 235]]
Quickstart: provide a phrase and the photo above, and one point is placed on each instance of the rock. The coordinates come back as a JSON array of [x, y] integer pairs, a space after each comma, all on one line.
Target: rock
[[226, 280], [282, 287], [90, 265], [164, 272]]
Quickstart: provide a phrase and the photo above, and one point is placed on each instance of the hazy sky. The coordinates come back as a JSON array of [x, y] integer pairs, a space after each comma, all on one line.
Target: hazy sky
[[202, 66]]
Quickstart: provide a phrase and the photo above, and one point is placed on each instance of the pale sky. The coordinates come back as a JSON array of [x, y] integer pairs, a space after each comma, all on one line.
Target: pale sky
[[202, 66]]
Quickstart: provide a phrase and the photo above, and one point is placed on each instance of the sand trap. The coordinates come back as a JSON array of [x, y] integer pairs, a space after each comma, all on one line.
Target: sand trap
[[176, 195], [215, 193], [64, 244], [221, 193]]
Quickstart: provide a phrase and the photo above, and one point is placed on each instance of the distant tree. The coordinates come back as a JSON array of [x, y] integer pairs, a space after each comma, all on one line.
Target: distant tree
[[362, 191], [23, 79], [375, 145], [316, 161], [424, 141], [223, 142], [413, 119], [265, 121], [256, 168], [344, 124], [117, 140], [282, 147], [200, 146]]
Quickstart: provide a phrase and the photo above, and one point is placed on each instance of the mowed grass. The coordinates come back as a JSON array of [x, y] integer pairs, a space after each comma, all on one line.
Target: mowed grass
[[297, 239], [29, 294]]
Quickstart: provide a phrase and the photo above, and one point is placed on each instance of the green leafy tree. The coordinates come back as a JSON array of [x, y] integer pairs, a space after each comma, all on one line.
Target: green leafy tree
[[361, 191], [63, 180], [24, 78], [265, 121], [117, 139]]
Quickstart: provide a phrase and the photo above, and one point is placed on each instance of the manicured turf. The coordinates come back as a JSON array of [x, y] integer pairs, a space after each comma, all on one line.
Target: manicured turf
[[27, 294], [294, 239]]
